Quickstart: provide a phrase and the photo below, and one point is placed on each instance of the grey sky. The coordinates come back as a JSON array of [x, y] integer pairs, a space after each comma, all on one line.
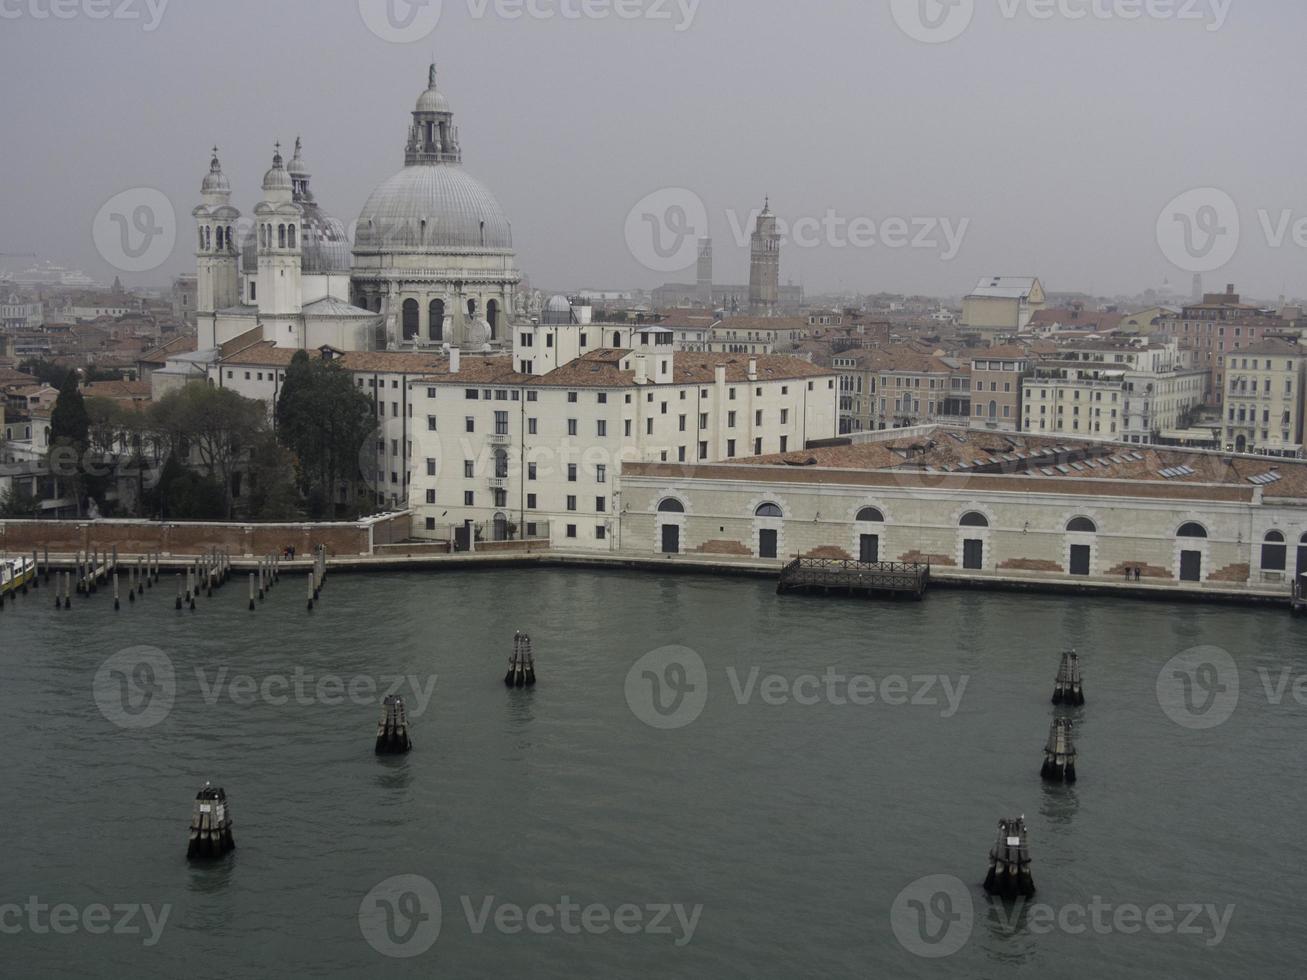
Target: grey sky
[[1059, 140]]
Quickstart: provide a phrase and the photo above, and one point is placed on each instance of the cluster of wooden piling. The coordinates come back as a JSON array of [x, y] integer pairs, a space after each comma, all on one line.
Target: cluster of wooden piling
[[522, 664], [1059, 754], [392, 732], [1068, 689], [1009, 861], [211, 835]]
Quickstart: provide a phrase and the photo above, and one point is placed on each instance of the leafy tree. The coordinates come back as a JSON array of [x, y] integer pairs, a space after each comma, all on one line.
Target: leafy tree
[[324, 420], [214, 426], [273, 494], [17, 502], [70, 430]]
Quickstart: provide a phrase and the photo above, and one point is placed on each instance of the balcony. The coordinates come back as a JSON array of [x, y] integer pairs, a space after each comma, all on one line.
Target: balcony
[[499, 439], [498, 483]]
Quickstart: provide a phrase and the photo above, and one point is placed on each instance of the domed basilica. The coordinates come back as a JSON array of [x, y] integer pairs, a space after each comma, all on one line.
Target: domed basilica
[[432, 262]]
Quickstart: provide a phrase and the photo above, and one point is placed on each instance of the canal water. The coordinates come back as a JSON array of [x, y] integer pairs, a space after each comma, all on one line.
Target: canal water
[[797, 788]]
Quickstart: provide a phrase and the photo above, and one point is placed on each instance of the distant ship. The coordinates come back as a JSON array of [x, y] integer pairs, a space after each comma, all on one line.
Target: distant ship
[[49, 274]]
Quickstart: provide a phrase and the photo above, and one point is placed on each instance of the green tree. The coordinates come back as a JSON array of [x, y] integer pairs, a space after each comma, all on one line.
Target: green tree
[[214, 427], [324, 420], [70, 433], [17, 502]]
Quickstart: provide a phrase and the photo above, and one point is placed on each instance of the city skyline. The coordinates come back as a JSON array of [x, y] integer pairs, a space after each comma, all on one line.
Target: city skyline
[[1078, 201]]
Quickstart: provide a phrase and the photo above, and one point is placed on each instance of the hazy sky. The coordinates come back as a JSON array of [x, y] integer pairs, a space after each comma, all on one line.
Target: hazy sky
[[1053, 144]]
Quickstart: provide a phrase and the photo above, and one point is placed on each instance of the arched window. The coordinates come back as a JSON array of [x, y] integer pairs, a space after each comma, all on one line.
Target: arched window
[[1192, 530], [220, 238], [290, 237], [231, 242], [201, 230], [870, 515], [1275, 553], [671, 506], [769, 510], [492, 317], [281, 236], [974, 519], [410, 319], [1082, 525], [471, 307], [617, 340], [436, 328], [993, 409]]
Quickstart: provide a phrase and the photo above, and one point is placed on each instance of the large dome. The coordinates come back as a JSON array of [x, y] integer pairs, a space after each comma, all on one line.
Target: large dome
[[433, 207]]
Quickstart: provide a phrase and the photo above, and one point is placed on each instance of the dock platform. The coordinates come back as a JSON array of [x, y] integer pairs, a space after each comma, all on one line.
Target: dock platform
[[856, 578]]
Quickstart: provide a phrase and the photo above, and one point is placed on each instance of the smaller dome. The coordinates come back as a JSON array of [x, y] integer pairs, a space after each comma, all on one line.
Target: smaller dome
[[215, 181], [557, 311], [558, 304], [277, 179], [298, 168], [433, 100]]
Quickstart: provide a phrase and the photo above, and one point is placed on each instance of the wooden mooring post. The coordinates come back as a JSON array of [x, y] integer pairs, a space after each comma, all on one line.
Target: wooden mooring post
[[211, 835], [312, 592], [1009, 861], [522, 664], [1059, 754], [1068, 689], [392, 732]]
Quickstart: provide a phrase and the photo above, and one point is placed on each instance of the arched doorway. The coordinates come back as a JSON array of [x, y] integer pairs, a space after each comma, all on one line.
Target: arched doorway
[[1191, 557], [869, 537], [973, 543], [501, 527], [436, 325], [670, 526], [768, 519], [410, 319]]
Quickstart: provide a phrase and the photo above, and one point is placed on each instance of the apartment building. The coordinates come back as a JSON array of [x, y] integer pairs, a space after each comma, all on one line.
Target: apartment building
[[1263, 411], [1219, 326], [1123, 390], [500, 453], [996, 389], [1001, 305], [912, 388]]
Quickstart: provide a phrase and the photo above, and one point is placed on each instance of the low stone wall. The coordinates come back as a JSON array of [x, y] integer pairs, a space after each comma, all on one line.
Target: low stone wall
[[169, 538]]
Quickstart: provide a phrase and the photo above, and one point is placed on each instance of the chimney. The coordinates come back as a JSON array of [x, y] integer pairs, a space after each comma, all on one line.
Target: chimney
[[753, 369], [719, 376], [641, 369], [454, 357]]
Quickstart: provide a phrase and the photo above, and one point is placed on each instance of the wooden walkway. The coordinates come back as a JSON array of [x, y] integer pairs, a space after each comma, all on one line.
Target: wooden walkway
[[828, 575]]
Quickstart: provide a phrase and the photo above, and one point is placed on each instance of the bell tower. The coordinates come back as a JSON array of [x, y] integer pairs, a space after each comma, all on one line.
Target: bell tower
[[217, 274], [765, 265], [433, 137], [280, 231]]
